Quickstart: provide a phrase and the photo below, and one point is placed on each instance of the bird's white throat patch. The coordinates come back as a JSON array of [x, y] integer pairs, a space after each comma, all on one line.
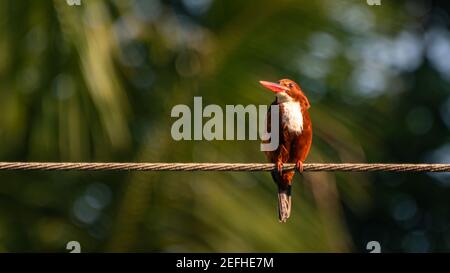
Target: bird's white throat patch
[[292, 116]]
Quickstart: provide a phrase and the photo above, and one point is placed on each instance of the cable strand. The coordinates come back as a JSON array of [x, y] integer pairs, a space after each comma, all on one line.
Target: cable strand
[[236, 167]]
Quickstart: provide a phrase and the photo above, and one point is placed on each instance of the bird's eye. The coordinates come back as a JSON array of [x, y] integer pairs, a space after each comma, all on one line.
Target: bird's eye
[[290, 85]]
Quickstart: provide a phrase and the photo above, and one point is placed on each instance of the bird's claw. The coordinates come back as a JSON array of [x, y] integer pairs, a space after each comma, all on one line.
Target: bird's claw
[[280, 167], [299, 166]]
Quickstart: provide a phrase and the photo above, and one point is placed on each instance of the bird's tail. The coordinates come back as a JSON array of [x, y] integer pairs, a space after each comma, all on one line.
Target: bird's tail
[[284, 203]]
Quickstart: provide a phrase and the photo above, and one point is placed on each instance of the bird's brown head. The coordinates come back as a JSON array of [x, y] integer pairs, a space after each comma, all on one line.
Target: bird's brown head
[[287, 90]]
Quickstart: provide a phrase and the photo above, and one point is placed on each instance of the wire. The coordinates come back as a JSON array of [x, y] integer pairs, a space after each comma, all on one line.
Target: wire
[[238, 167]]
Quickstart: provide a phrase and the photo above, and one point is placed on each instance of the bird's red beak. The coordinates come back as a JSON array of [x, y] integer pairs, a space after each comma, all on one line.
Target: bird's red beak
[[274, 87]]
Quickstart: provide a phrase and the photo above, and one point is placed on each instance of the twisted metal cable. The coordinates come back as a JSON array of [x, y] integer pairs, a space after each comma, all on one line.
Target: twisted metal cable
[[237, 167]]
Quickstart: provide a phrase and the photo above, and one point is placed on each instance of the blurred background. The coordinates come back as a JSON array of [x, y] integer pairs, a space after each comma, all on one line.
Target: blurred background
[[97, 82]]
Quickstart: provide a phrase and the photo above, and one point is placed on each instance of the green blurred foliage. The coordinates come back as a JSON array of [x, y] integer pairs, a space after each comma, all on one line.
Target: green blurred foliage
[[97, 82]]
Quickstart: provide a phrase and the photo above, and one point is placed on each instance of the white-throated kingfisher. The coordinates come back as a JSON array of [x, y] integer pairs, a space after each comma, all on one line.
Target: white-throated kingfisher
[[295, 138]]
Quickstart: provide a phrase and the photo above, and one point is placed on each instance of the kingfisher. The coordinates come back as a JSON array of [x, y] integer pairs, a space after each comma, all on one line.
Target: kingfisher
[[295, 139]]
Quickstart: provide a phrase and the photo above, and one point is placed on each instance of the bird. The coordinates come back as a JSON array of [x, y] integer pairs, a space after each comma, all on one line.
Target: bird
[[295, 138]]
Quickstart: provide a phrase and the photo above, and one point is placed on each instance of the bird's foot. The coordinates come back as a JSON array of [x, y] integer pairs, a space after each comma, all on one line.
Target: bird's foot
[[280, 167], [299, 166]]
